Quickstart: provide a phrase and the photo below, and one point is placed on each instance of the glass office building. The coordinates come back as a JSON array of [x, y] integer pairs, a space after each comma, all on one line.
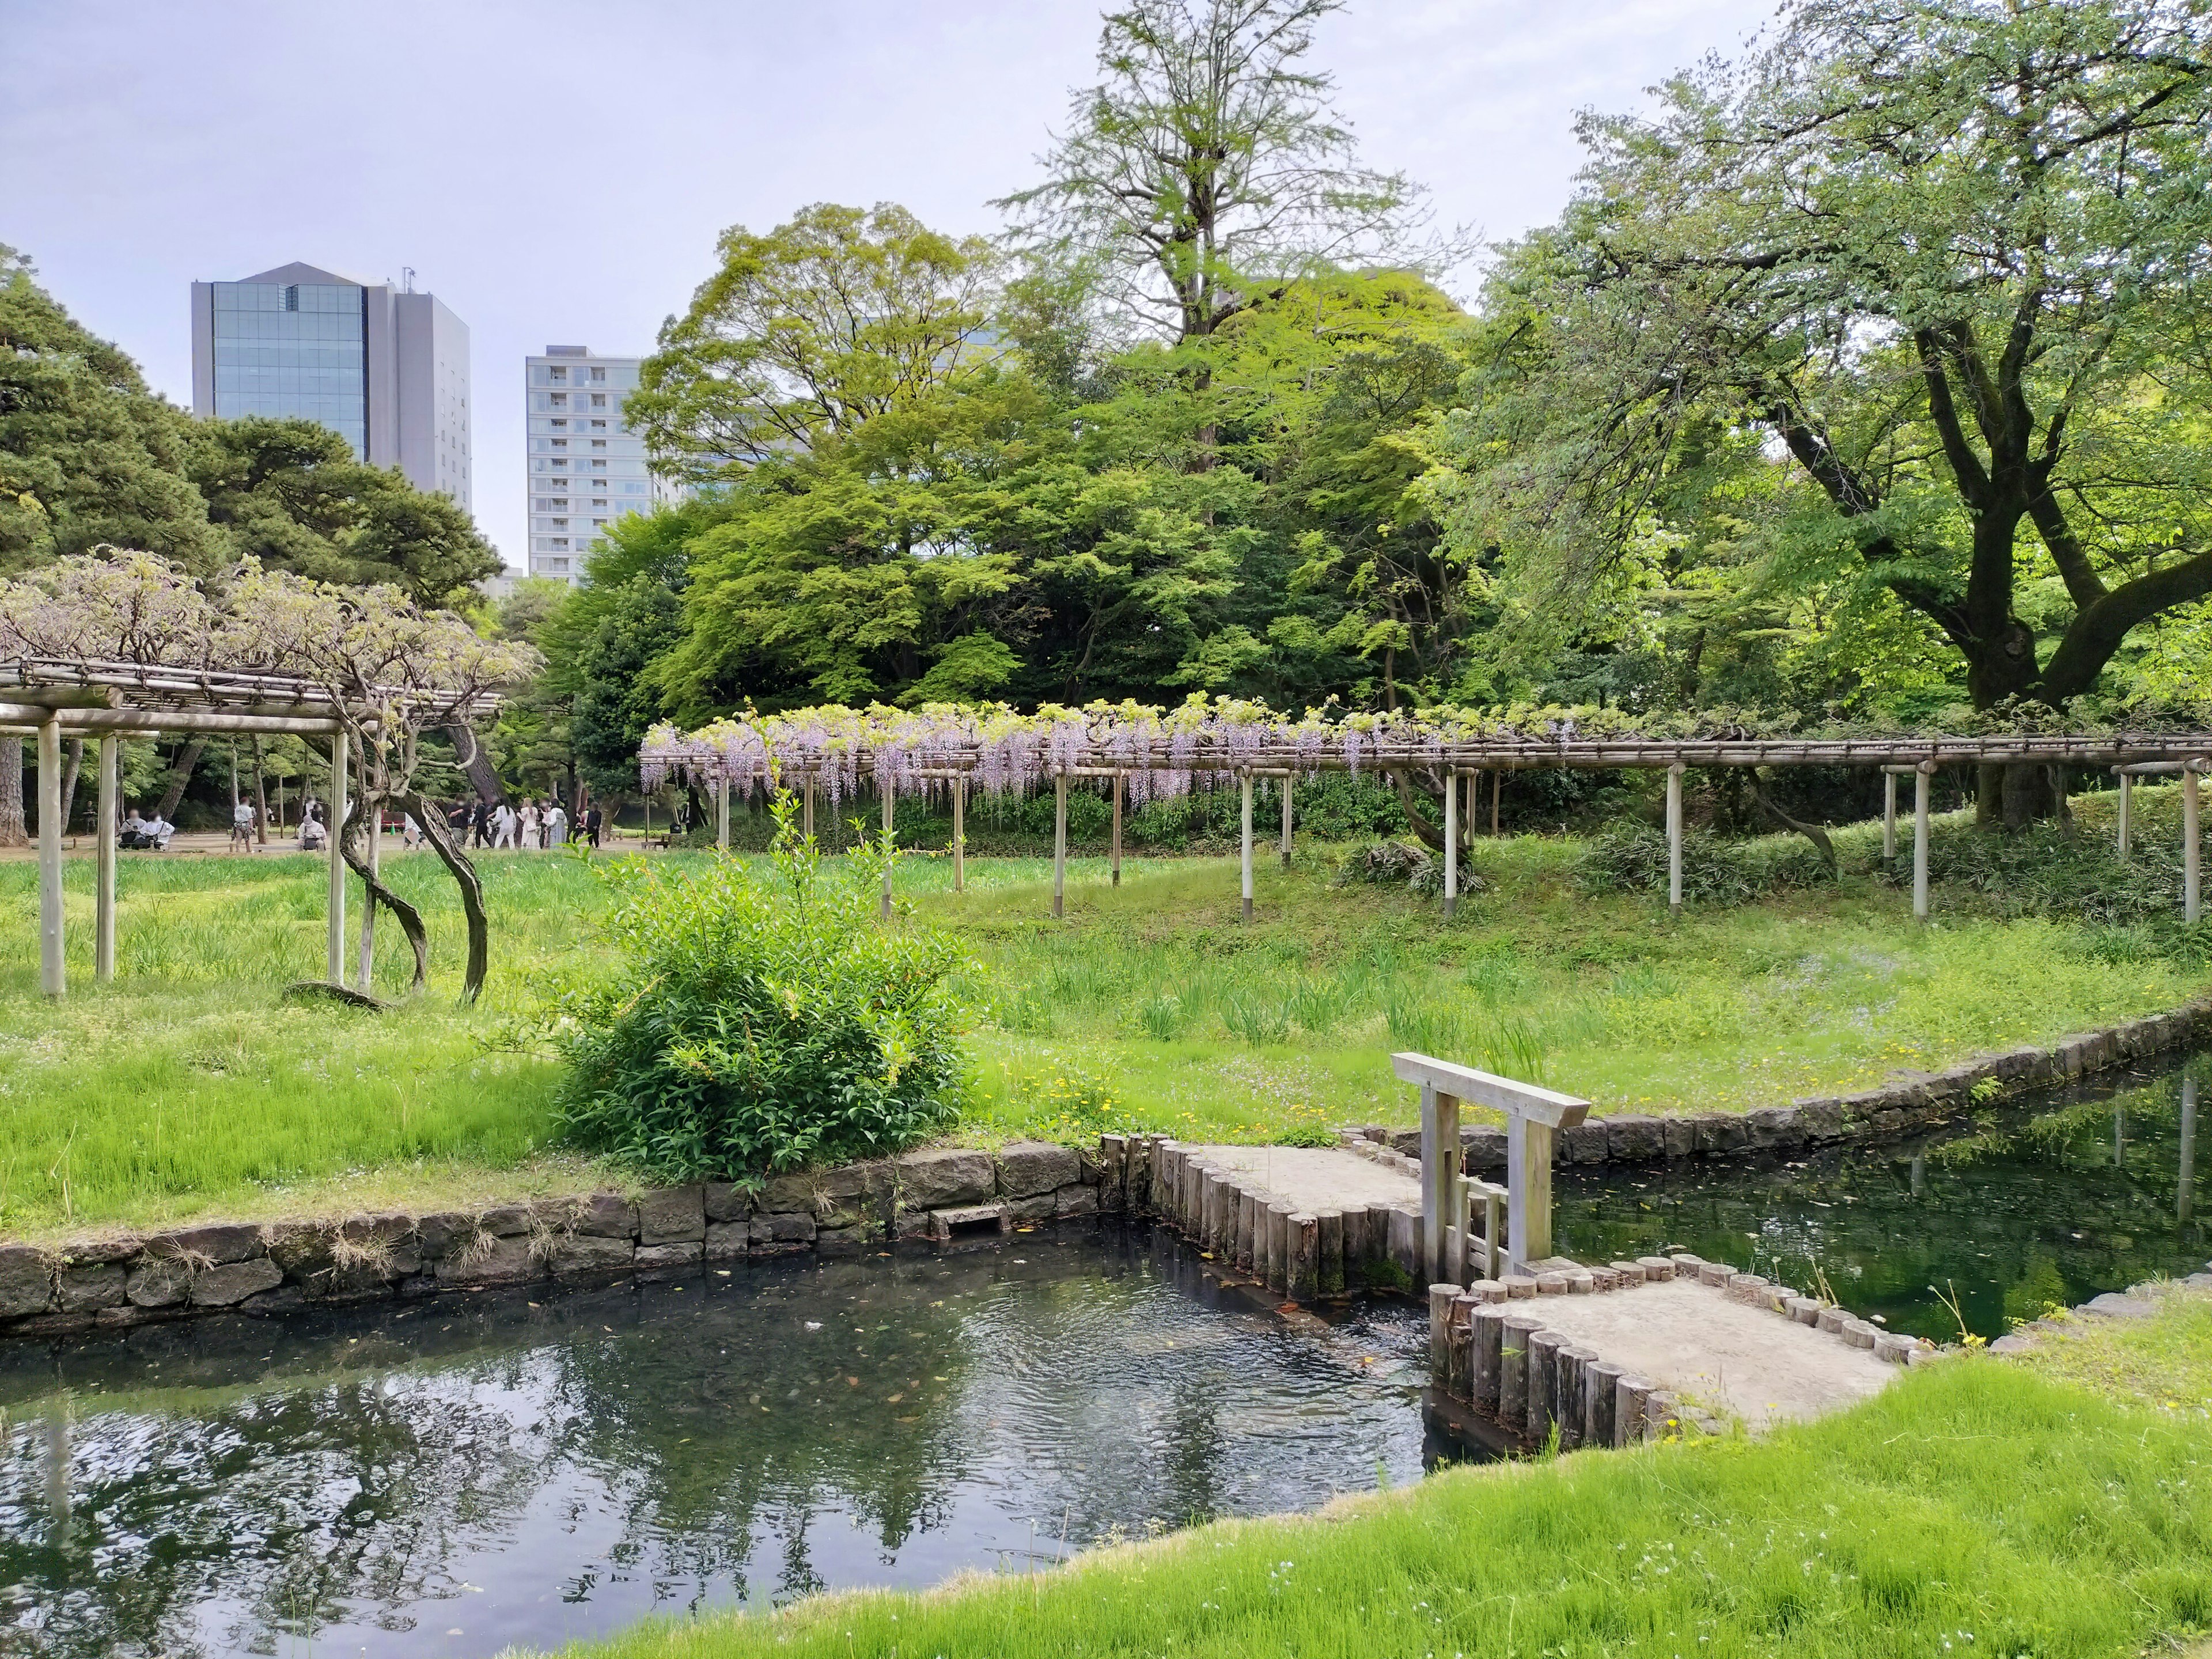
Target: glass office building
[[298, 348], [383, 366]]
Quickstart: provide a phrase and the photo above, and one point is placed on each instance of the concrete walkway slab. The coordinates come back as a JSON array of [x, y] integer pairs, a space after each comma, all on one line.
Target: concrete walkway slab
[[1705, 1348], [1316, 1178]]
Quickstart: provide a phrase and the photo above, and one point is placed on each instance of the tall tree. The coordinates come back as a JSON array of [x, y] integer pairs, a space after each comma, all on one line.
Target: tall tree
[[1207, 165], [1947, 257], [838, 316]]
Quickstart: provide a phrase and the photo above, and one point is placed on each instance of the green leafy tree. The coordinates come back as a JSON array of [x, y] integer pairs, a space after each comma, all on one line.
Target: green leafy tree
[[836, 317], [1207, 166], [1944, 257]]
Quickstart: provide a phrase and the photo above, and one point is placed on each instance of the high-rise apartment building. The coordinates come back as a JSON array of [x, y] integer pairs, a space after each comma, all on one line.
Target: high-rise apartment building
[[586, 468], [385, 369]]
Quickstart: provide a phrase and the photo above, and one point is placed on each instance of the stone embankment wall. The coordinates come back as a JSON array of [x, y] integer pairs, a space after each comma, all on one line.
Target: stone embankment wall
[[275, 1268], [1908, 1102]]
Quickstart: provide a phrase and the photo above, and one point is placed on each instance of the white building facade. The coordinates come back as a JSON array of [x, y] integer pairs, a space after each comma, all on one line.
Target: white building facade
[[384, 367], [586, 468]]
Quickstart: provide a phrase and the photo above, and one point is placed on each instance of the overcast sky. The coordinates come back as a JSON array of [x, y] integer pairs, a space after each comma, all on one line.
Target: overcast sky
[[558, 171]]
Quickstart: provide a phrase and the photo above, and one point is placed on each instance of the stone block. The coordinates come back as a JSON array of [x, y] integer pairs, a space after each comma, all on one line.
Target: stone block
[[601, 1215], [490, 1259], [672, 1215], [1679, 1136], [1482, 1148], [725, 1201], [942, 1179], [214, 1245], [1632, 1138], [158, 1282], [845, 1241], [587, 1253], [27, 1281], [790, 1226], [1658, 1269], [2013, 1342], [1888, 1121], [88, 1290], [1772, 1128], [1708, 1128], [226, 1285], [1039, 1207], [1077, 1200], [444, 1232], [945, 1226], [1027, 1168], [1407, 1141], [784, 1194], [2112, 1306], [1584, 1143], [727, 1240], [507, 1220], [100, 1252], [1822, 1120], [674, 1257]]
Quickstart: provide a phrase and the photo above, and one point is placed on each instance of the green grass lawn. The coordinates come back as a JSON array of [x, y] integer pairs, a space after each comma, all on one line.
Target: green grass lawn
[[189, 1087], [1981, 1506]]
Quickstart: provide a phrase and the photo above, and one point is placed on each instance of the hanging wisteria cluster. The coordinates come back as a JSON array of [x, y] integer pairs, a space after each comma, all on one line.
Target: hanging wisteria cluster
[[1162, 752]]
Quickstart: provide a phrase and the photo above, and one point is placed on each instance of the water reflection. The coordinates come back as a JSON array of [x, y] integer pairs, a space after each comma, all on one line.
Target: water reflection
[[2021, 1209], [474, 1472]]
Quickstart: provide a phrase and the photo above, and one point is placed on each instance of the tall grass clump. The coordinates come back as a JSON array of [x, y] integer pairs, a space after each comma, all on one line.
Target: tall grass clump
[[1714, 871], [761, 1020]]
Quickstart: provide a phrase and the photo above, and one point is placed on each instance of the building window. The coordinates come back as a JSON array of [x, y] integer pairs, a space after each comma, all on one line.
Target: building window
[[560, 524], [598, 426], [559, 400], [598, 443], [559, 443], [559, 466], [598, 501], [559, 541], [558, 424], [598, 400], [598, 374], [601, 466], [558, 376], [557, 564]]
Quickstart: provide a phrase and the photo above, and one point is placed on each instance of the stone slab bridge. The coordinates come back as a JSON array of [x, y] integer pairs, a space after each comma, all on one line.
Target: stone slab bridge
[[1534, 1346]]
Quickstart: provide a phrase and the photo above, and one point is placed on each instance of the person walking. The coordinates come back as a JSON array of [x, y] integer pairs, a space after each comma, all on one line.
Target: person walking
[[504, 824], [480, 822], [242, 826], [555, 830], [529, 820], [593, 819]]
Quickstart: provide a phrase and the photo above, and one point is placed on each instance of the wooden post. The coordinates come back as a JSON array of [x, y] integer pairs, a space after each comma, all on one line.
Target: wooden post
[[335, 912], [1289, 778], [1675, 838], [806, 809], [1921, 777], [959, 832], [1474, 804], [2192, 850], [368, 904], [1060, 844], [1527, 1190], [1496, 783], [1889, 815], [1118, 779], [2127, 807], [890, 799], [1440, 1166], [52, 973], [1451, 844], [722, 813], [103, 948], [1245, 780]]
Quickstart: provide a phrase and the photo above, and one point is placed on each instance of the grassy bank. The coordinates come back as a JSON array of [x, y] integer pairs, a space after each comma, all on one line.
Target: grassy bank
[[189, 1088], [1979, 1507]]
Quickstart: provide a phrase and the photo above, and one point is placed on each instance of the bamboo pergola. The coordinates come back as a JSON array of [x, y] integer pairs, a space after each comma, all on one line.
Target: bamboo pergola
[[1104, 747], [50, 698]]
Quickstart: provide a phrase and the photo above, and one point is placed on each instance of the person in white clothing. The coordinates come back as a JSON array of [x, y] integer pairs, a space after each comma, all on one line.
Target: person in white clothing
[[503, 825], [555, 831], [528, 842]]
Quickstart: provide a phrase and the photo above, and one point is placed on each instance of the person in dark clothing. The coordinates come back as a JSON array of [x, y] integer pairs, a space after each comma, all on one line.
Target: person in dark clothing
[[592, 821], [481, 823]]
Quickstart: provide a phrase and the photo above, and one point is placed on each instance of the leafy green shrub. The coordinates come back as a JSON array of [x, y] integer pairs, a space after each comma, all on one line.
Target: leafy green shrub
[[2045, 870], [1634, 860], [760, 1023]]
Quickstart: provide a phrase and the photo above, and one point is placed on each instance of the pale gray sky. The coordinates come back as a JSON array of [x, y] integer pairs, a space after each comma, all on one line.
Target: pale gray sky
[[558, 170]]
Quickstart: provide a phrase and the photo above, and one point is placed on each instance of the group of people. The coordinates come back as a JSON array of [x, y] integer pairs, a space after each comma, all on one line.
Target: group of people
[[532, 827], [145, 834]]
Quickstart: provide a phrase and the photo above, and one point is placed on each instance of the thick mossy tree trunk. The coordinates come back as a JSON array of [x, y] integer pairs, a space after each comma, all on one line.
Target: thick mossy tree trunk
[[179, 775], [15, 832]]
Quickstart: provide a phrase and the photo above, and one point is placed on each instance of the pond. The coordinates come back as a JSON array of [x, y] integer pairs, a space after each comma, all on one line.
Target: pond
[[2041, 1205], [466, 1472]]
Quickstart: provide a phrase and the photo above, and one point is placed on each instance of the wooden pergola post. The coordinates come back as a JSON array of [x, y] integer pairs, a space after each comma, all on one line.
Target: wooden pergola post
[[1289, 778], [890, 799], [722, 813], [103, 902], [2127, 808], [1244, 778], [1059, 844], [1440, 1158], [959, 832], [2192, 849], [1118, 777], [336, 905], [1497, 784], [1922, 780], [52, 973], [1889, 814], [1675, 838], [1451, 844], [806, 809]]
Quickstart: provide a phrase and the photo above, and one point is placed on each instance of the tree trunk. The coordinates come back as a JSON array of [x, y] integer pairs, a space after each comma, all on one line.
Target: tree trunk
[[2010, 795], [70, 773], [477, 765], [260, 796], [465, 877], [179, 775], [13, 831], [351, 843], [1424, 827]]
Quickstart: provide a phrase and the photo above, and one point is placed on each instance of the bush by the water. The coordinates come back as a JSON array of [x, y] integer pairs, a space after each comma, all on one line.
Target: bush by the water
[[1634, 860], [761, 1021]]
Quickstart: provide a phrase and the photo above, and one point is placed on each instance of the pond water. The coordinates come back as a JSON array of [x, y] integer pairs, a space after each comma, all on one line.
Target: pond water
[[471, 1471], [2088, 1189]]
